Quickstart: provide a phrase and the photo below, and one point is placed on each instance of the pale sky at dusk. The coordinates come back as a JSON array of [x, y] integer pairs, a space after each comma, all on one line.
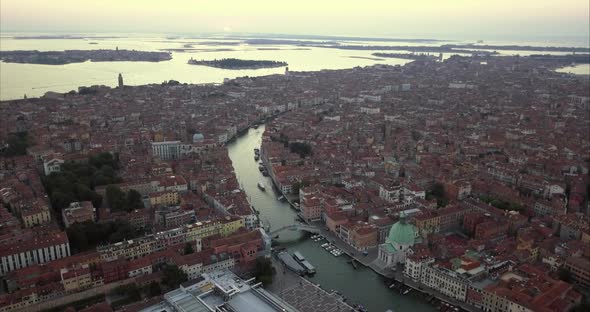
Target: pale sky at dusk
[[394, 18]]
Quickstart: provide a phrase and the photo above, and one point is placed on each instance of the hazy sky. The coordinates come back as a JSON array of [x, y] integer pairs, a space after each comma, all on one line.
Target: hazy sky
[[396, 18]]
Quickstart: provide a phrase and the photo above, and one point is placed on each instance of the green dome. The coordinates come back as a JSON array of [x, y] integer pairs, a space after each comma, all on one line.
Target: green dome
[[402, 233]]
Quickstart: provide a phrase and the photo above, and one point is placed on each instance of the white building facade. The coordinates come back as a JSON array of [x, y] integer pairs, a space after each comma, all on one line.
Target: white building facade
[[166, 150]]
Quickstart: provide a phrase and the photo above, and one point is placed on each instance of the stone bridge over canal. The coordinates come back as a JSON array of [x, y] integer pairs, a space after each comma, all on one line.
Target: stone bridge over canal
[[295, 227]]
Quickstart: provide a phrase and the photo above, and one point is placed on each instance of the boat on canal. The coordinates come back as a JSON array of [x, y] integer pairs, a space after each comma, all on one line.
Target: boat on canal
[[290, 263], [261, 186], [310, 270], [298, 256]]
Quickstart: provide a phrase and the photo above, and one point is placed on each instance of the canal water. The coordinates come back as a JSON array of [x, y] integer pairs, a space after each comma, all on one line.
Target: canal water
[[360, 285]]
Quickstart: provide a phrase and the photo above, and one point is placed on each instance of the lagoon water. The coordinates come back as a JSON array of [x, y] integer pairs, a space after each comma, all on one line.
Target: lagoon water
[[16, 80], [34, 80]]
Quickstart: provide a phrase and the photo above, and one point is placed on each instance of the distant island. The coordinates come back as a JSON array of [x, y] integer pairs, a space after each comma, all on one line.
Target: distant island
[[52, 37], [451, 48], [564, 59], [517, 48], [79, 56], [366, 58], [232, 63], [197, 50], [424, 49], [408, 56]]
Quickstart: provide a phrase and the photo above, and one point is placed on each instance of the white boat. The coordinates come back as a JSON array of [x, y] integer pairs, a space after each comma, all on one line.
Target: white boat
[[261, 186]]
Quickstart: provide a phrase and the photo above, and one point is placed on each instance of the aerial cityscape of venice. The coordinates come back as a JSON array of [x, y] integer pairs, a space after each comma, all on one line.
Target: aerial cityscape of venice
[[295, 156]]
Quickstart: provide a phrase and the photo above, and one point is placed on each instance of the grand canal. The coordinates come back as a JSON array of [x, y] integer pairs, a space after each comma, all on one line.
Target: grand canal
[[360, 285]]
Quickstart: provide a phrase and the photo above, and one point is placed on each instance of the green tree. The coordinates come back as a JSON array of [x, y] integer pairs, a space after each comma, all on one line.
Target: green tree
[[78, 238], [154, 289], [416, 135], [172, 276], [120, 230], [295, 187], [438, 190], [565, 275], [76, 181], [16, 145], [301, 148], [582, 307], [84, 193], [60, 200], [188, 249], [87, 235], [116, 199], [102, 159], [131, 291], [264, 270], [134, 200], [441, 202]]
